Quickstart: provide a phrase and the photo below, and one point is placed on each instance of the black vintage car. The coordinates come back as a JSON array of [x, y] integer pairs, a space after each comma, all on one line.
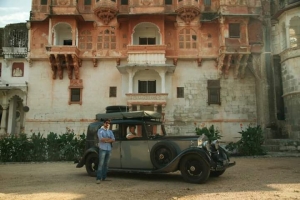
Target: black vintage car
[[153, 151]]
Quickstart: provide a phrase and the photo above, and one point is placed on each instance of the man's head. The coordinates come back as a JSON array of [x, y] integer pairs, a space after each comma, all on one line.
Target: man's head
[[106, 123], [132, 128]]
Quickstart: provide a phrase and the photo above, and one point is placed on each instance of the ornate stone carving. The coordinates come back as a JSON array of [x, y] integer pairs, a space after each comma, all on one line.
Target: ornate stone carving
[[220, 64], [106, 14], [146, 2], [237, 65], [228, 64], [53, 66], [76, 66], [68, 65], [59, 66], [188, 14], [63, 2], [199, 60], [76, 83]]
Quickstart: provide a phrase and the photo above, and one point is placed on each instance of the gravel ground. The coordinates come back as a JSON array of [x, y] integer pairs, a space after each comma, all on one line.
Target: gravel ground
[[266, 177]]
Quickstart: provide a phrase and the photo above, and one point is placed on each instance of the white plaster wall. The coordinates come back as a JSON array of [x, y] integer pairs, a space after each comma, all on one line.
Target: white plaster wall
[[49, 109], [48, 98], [6, 74]]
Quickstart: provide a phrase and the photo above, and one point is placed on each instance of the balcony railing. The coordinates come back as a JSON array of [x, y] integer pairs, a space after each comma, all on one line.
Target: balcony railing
[[147, 98], [62, 50], [188, 3], [146, 54]]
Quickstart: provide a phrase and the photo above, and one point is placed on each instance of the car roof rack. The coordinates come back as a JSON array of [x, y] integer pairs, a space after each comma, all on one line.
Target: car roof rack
[[129, 115]]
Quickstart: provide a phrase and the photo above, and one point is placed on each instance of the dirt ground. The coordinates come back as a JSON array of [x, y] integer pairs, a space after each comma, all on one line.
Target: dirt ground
[[251, 178]]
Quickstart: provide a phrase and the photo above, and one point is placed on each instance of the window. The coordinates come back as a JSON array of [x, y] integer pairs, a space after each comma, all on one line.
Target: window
[[17, 70], [124, 2], [75, 94], [187, 39], [180, 92], [76, 86], [147, 87], [213, 88], [147, 41], [106, 40], [68, 42], [85, 40], [207, 2], [44, 2], [168, 2], [112, 91], [234, 30], [87, 2]]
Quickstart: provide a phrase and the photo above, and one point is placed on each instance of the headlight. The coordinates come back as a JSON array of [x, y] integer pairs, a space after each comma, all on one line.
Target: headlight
[[216, 144], [202, 139]]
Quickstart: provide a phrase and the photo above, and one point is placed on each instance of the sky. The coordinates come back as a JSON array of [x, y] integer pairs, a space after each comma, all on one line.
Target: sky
[[14, 11]]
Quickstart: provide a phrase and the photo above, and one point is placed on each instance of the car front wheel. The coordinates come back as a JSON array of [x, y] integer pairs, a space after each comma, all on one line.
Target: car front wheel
[[91, 164], [194, 169]]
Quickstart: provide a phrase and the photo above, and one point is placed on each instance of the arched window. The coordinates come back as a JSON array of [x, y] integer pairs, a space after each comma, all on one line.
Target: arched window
[[106, 40], [85, 40], [187, 39], [294, 32]]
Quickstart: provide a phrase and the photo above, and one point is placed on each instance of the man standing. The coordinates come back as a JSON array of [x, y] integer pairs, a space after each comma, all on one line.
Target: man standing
[[106, 138]]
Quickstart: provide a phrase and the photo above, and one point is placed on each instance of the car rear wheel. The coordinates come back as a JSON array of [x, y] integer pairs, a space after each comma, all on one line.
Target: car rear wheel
[[91, 164], [194, 169], [162, 153]]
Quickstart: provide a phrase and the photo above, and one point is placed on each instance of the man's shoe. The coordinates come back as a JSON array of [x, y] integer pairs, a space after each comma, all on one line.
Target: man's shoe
[[98, 181]]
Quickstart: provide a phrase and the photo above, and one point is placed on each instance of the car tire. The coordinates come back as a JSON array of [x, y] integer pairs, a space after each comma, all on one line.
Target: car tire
[[194, 168], [162, 153], [91, 164], [216, 173]]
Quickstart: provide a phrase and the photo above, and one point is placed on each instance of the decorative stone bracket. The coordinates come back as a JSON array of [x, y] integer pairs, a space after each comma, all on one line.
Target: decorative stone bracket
[[69, 61], [226, 61], [105, 14]]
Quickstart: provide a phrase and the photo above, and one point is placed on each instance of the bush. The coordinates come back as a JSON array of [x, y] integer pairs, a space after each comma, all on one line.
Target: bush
[[20, 148], [250, 142], [211, 133]]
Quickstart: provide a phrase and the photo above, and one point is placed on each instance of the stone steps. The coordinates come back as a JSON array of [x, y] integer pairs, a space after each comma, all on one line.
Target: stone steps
[[282, 145]]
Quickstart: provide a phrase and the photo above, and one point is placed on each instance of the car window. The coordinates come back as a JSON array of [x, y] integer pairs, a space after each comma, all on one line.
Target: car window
[[115, 130], [154, 130]]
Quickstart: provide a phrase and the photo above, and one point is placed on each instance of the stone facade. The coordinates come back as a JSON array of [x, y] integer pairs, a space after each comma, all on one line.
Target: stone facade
[[14, 75], [286, 45], [200, 63]]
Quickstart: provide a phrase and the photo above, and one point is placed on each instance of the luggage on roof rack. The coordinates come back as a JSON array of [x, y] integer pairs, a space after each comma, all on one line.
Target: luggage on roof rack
[[129, 115]]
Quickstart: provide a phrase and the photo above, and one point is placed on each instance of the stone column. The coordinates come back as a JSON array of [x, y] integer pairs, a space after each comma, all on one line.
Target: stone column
[[11, 125], [163, 81], [3, 120], [50, 32], [130, 82], [287, 32]]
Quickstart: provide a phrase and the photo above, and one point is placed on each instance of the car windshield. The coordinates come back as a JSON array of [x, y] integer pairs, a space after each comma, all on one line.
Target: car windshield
[[154, 129]]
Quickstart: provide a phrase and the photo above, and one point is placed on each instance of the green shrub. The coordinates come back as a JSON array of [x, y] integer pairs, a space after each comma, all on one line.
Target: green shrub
[[250, 143], [20, 148], [211, 133]]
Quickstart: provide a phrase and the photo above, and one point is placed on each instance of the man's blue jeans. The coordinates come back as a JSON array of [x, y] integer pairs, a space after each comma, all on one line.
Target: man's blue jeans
[[104, 157]]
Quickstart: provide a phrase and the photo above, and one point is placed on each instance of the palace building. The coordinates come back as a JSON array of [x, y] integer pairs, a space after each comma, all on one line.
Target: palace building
[[198, 62]]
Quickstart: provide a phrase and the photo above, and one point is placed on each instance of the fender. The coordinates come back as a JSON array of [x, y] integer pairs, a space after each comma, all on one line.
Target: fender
[[87, 152], [173, 165]]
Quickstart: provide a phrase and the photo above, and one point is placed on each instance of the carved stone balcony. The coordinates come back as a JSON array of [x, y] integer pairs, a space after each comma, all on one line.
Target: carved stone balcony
[[188, 10], [147, 98], [146, 54], [106, 10], [62, 50], [61, 57], [14, 52]]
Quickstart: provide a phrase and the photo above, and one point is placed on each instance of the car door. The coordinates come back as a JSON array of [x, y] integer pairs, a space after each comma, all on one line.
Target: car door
[[115, 161], [135, 152]]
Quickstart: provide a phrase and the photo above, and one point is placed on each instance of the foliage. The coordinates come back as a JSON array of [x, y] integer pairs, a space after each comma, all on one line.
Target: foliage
[[250, 142], [53, 147], [211, 133]]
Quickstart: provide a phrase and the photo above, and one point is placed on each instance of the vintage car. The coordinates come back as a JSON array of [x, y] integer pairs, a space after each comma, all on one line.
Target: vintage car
[[154, 151]]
